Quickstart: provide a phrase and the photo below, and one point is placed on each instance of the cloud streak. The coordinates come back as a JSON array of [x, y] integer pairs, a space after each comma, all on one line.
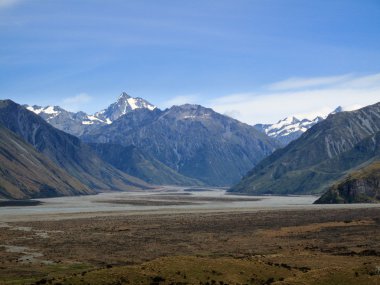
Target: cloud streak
[[298, 83], [295, 97]]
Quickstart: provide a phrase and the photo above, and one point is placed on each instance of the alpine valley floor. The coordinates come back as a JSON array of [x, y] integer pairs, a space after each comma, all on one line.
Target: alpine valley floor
[[189, 236]]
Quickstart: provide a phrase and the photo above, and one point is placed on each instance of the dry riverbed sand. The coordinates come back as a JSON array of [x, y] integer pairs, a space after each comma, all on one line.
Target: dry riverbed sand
[[189, 239]]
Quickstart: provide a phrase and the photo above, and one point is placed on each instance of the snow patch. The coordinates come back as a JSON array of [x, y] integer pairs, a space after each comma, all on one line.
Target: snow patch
[[36, 110], [293, 124], [49, 110]]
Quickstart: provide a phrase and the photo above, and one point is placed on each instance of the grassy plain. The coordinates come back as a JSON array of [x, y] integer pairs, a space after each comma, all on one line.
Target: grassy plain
[[328, 246]]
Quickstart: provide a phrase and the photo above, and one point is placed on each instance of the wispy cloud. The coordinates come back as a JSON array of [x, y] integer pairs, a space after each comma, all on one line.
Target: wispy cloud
[[8, 3], [299, 82], [76, 103], [369, 81], [270, 105]]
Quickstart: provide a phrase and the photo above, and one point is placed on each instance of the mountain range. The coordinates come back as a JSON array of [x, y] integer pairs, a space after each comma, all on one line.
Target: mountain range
[[192, 140], [79, 122], [195, 143], [132, 144], [323, 154]]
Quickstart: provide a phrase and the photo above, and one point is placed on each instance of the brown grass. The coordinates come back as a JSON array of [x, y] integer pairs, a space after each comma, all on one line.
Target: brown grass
[[292, 247]]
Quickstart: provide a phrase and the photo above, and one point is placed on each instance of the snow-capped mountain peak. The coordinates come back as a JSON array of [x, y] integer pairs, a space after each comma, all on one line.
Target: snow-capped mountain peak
[[124, 104], [290, 128], [76, 123], [133, 103], [282, 124], [48, 111]]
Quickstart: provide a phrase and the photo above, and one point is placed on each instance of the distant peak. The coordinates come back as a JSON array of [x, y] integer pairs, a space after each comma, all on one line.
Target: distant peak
[[124, 104], [124, 95], [337, 110]]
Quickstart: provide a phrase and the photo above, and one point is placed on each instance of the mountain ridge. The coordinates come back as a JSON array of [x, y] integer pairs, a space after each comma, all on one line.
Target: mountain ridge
[[25, 173], [65, 150], [307, 165], [77, 123]]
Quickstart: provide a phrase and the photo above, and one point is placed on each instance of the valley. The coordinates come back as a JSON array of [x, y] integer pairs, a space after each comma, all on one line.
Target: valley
[[179, 235], [165, 199], [189, 142]]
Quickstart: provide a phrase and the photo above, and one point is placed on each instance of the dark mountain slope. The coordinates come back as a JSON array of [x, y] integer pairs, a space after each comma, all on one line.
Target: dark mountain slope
[[193, 140], [312, 162], [26, 173], [362, 186], [65, 150], [131, 160]]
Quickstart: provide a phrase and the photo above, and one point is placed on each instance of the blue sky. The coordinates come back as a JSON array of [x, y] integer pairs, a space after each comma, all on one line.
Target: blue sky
[[234, 56]]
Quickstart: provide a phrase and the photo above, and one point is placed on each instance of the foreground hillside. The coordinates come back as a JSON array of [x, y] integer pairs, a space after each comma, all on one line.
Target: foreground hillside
[[193, 140], [323, 154], [362, 186], [26, 173], [65, 150]]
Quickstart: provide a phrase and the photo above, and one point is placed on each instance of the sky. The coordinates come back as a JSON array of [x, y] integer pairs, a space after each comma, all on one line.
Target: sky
[[255, 60]]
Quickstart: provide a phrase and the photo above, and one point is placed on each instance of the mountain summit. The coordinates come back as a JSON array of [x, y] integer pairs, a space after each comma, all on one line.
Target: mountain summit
[[122, 106]]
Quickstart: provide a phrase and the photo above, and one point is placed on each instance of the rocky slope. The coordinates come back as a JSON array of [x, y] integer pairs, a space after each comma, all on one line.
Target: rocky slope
[[131, 160], [26, 173], [65, 150], [193, 140], [320, 156], [362, 186]]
